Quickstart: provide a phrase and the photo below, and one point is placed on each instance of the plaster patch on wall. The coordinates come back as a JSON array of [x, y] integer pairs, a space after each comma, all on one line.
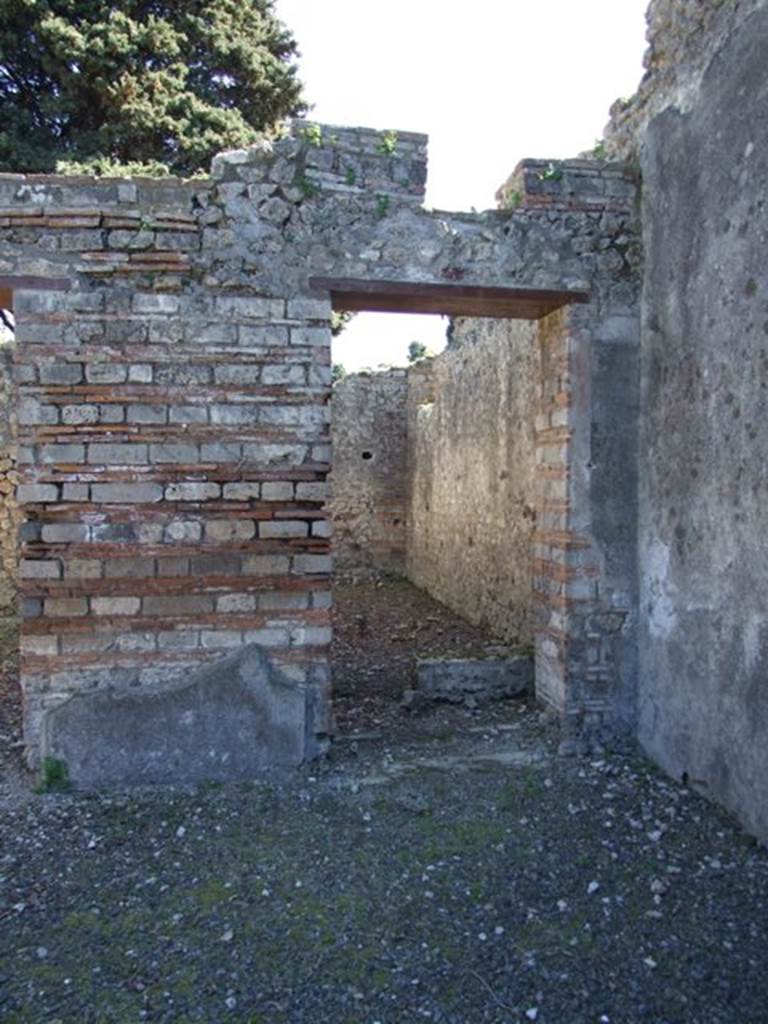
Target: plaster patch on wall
[[753, 640], [662, 597]]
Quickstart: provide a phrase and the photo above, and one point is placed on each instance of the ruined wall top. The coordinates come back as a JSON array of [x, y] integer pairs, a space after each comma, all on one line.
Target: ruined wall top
[[319, 202], [683, 36]]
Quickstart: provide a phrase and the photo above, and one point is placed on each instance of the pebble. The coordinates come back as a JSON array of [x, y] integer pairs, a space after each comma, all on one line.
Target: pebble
[[592, 887]]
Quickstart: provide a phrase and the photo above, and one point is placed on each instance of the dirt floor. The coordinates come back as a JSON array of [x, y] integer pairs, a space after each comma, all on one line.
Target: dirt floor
[[382, 626], [450, 867]]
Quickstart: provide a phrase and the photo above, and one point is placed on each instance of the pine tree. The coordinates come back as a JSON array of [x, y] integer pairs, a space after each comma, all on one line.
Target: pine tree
[[90, 83]]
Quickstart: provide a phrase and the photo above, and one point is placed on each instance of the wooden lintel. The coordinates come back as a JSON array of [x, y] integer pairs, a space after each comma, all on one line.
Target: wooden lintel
[[356, 295]]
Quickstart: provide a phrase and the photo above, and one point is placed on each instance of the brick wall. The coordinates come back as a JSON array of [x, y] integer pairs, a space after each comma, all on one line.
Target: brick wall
[[172, 396]]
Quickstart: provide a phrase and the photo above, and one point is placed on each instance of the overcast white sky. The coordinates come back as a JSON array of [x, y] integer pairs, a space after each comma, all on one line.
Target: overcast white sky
[[490, 82]]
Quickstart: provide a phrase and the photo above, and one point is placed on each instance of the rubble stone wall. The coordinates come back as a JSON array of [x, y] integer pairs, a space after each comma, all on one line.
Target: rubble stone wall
[[369, 478], [9, 513], [472, 453], [684, 36]]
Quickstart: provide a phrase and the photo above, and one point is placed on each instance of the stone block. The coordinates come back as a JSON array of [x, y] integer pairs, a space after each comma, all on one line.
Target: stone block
[[149, 302], [266, 565], [183, 530], [39, 645], [274, 375], [220, 452], [31, 413], [38, 569], [118, 454], [142, 568], [66, 607], [173, 453], [275, 454], [82, 568], [79, 415], [317, 491], [52, 453], [276, 601], [229, 603], [173, 567], [65, 533], [234, 415], [186, 414], [283, 528], [112, 413], [192, 491], [310, 336], [277, 490], [140, 373], [115, 605], [312, 564], [177, 604], [229, 720], [30, 494], [126, 494], [221, 531], [75, 492], [242, 491], [248, 307], [213, 638], [61, 373], [105, 373], [147, 414], [238, 373], [250, 336], [309, 309], [471, 682], [178, 639]]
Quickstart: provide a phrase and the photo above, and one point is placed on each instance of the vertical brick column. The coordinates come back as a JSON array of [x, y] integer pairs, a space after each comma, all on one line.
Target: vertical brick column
[[173, 452]]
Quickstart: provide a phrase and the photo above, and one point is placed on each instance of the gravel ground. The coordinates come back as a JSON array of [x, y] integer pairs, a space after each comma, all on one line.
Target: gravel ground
[[470, 876]]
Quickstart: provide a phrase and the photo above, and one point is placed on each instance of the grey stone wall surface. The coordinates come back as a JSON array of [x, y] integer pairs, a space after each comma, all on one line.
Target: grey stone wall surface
[[683, 37], [369, 477], [703, 554], [472, 452], [9, 511]]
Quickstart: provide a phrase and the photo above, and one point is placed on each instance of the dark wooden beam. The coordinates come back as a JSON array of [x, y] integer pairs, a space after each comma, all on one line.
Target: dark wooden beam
[[447, 299]]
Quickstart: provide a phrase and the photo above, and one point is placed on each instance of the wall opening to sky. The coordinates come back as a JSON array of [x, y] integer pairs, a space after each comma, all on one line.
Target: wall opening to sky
[[375, 341]]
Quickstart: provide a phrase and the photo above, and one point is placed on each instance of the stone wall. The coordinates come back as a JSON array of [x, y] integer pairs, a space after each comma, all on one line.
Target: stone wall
[[368, 482], [472, 491], [172, 374], [683, 38], [9, 513], [703, 558]]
